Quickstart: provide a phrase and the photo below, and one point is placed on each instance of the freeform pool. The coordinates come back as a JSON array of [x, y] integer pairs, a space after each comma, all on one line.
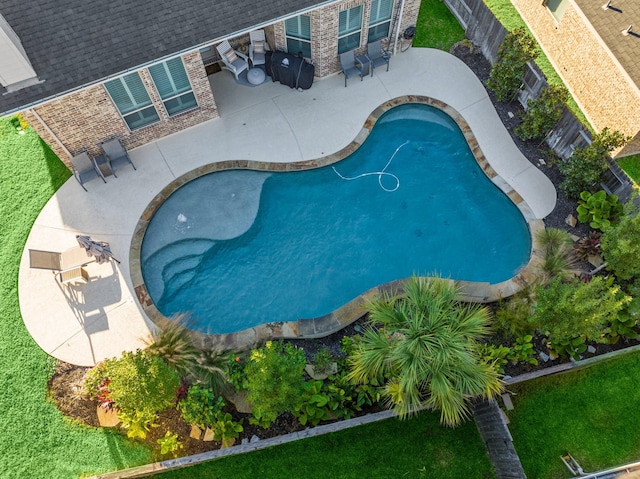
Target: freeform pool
[[240, 248]]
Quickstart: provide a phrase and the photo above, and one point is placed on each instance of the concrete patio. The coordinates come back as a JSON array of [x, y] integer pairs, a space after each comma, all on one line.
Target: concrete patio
[[85, 323]]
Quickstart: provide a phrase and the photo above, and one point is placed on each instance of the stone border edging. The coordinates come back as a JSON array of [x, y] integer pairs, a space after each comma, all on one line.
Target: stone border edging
[[164, 466], [479, 292], [572, 365]]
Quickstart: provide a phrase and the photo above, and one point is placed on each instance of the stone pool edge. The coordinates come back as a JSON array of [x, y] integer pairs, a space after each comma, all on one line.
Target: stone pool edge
[[479, 292]]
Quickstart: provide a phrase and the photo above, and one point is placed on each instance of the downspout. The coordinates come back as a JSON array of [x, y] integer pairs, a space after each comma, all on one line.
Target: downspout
[[395, 43], [46, 127]]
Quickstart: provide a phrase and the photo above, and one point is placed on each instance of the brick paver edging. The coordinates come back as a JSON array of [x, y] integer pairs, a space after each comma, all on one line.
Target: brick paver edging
[[164, 466]]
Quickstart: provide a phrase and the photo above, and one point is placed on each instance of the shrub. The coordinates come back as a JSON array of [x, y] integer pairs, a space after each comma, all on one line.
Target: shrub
[[542, 113], [274, 380], [170, 444], [578, 309], [137, 382], [516, 50], [558, 261], [588, 245], [583, 169], [225, 429], [512, 318], [598, 209], [323, 360], [200, 407], [621, 247]]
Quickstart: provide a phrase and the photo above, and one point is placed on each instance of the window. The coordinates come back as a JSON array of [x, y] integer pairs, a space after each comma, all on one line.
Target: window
[[173, 85], [379, 20], [556, 7], [132, 101], [298, 33], [349, 28]]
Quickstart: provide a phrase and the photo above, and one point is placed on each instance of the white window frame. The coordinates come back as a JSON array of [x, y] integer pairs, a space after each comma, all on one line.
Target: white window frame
[[298, 38], [176, 95], [380, 22], [131, 97], [559, 9], [358, 31]]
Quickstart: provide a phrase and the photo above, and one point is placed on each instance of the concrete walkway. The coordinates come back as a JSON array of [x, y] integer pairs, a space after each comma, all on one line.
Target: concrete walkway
[[85, 323]]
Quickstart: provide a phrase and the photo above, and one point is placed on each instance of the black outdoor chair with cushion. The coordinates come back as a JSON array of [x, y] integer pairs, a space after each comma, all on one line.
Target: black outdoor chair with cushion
[[85, 168], [351, 66], [116, 154], [377, 56]]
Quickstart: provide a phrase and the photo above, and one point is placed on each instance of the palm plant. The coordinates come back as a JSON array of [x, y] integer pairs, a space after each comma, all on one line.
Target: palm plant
[[424, 348]]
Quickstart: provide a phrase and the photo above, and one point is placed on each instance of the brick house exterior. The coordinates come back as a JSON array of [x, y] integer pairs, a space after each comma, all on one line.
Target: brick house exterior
[[599, 64], [79, 116]]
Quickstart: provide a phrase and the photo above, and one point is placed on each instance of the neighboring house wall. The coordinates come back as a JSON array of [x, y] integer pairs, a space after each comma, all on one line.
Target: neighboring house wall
[[84, 118], [605, 94]]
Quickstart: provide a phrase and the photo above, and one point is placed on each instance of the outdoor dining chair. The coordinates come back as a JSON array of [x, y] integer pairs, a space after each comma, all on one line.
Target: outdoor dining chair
[[258, 47], [377, 56], [233, 60], [117, 155], [351, 66], [85, 168]]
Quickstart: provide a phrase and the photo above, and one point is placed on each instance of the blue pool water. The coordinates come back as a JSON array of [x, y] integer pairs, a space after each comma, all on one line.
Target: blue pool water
[[240, 248]]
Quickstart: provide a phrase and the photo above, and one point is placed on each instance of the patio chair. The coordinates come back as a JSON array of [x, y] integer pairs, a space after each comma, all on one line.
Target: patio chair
[[377, 55], [85, 168], [72, 275], [69, 259], [116, 154], [352, 66], [233, 60], [258, 46]]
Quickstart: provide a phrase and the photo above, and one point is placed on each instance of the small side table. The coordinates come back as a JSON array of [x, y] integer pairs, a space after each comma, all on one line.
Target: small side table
[[256, 76], [103, 165], [365, 64]]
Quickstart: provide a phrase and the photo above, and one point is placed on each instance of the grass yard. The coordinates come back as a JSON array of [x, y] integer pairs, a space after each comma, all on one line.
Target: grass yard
[[591, 413], [631, 166], [35, 439], [507, 14], [415, 448], [436, 26]]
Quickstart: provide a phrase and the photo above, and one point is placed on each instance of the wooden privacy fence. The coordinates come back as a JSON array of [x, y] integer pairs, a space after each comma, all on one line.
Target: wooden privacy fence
[[483, 29]]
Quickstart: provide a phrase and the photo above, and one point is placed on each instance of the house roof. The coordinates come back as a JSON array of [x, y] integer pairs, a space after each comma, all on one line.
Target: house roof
[[72, 43], [609, 24]]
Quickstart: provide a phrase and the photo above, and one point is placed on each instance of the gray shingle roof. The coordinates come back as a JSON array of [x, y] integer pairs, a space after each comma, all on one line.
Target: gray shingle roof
[[610, 23], [72, 43]]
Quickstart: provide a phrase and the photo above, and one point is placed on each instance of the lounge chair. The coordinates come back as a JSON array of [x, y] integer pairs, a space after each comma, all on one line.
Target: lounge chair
[[85, 168], [233, 60], [377, 56], [351, 66], [69, 259], [258, 47], [116, 154]]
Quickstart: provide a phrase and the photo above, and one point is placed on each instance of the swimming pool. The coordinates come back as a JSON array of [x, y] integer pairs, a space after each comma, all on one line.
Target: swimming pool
[[240, 248]]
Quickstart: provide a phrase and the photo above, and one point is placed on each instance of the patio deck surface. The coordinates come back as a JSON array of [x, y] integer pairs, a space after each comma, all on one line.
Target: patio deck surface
[[85, 323]]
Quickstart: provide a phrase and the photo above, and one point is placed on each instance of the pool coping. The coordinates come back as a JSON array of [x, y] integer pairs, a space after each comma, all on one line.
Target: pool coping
[[469, 291]]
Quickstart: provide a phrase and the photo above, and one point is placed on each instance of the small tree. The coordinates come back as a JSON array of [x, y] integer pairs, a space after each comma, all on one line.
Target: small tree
[[542, 113], [516, 50], [583, 169], [274, 380], [620, 245], [566, 311]]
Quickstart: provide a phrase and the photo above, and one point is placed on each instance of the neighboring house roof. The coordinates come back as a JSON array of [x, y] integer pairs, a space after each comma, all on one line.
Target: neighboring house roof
[[72, 43], [609, 24]]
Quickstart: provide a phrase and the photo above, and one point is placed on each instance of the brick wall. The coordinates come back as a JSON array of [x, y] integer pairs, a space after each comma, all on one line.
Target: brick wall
[[603, 92], [84, 118]]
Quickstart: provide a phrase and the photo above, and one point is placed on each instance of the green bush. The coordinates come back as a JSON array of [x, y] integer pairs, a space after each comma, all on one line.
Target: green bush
[[516, 50], [274, 380], [598, 209], [169, 444], [584, 168], [621, 247], [136, 382], [542, 113], [558, 261], [578, 309], [200, 407]]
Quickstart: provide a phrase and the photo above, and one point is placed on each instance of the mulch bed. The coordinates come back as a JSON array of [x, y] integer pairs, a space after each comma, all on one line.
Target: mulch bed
[[65, 385]]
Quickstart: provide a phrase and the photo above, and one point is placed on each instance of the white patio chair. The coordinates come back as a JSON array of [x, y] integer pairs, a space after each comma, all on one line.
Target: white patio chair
[[233, 60], [258, 47]]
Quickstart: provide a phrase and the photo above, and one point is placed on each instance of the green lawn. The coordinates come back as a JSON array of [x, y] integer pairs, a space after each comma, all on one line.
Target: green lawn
[[509, 17], [591, 413], [631, 166], [35, 439], [436, 26], [416, 448]]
